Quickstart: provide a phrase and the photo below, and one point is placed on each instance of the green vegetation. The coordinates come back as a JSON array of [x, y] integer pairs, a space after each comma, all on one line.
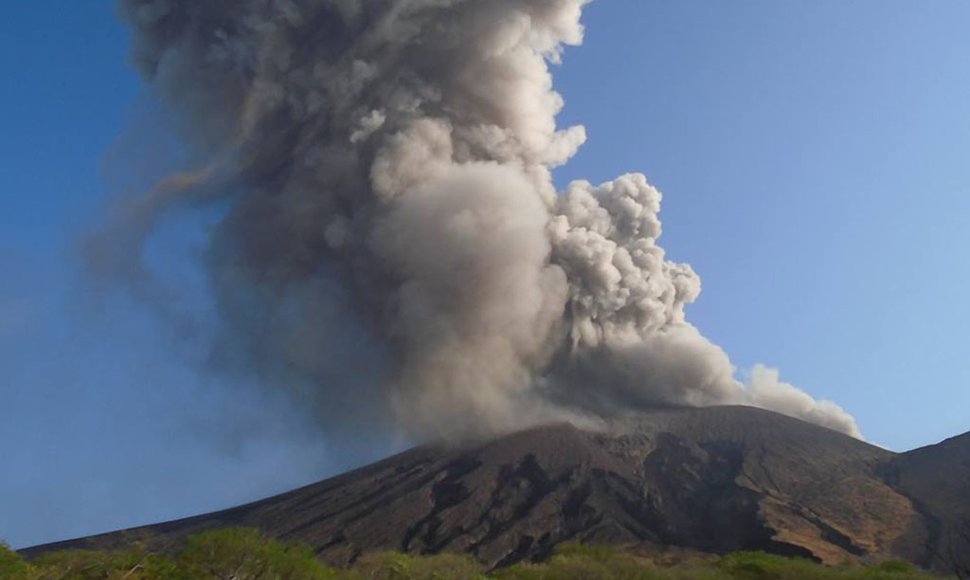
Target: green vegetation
[[11, 565], [600, 562], [243, 554], [228, 554]]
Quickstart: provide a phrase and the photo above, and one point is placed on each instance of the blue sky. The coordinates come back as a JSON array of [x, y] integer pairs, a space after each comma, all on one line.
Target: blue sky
[[812, 157]]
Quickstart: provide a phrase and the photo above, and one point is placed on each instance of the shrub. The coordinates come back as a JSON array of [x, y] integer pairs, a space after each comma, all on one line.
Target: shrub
[[582, 561], [243, 554], [761, 566], [90, 565], [892, 570], [12, 565], [395, 566]]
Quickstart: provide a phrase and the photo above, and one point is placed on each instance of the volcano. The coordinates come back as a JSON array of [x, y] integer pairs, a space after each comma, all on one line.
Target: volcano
[[701, 480]]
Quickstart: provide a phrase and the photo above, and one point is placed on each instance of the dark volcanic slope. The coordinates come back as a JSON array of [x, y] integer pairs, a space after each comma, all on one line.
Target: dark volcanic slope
[[714, 480], [938, 479]]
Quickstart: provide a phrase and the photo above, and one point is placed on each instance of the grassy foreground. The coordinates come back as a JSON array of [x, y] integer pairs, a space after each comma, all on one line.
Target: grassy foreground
[[243, 554]]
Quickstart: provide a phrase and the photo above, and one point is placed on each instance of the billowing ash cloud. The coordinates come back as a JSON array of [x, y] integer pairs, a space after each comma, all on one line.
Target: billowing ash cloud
[[394, 245]]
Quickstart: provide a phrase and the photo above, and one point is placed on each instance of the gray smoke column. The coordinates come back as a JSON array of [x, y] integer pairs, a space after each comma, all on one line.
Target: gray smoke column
[[394, 245]]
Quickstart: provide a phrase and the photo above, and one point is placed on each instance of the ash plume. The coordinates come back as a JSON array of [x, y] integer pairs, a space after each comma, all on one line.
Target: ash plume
[[394, 247]]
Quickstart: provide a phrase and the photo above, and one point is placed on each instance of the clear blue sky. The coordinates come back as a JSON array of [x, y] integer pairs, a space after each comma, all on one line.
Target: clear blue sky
[[813, 160]]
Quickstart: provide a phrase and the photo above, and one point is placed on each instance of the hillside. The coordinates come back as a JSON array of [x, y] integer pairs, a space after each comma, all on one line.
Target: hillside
[[711, 480]]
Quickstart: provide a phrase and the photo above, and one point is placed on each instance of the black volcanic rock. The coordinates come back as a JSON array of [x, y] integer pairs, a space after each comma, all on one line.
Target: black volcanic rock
[[711, 480]]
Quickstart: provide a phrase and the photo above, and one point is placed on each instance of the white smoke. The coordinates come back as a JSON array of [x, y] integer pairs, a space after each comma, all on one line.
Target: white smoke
[[387, 164]]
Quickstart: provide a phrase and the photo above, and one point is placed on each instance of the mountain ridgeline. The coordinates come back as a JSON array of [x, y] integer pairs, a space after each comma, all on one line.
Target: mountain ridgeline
[[708, 480]]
